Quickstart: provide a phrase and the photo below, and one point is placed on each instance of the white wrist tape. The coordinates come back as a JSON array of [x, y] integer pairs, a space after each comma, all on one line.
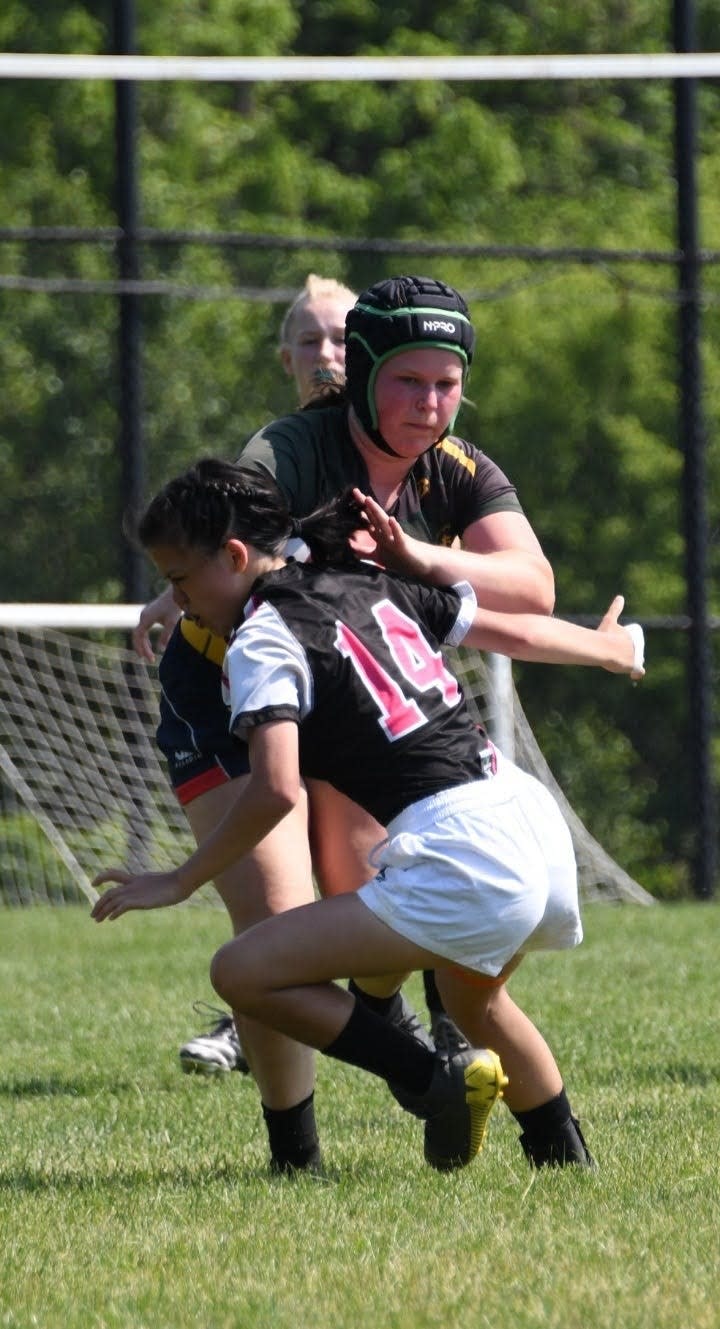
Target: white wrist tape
[[638, 641]]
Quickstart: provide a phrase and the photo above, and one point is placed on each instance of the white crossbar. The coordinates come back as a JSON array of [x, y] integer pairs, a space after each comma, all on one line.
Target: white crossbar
[[240, 69]]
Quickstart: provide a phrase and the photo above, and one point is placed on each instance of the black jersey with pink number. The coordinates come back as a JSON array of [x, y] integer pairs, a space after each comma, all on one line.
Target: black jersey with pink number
[[354, 657]]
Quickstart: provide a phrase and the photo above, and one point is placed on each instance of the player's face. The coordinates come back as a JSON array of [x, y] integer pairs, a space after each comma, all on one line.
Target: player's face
[[317, 341], [417, 393], [209, 588]]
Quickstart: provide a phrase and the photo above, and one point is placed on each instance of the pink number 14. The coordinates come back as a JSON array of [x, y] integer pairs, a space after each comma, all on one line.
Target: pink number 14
[[416, 661]]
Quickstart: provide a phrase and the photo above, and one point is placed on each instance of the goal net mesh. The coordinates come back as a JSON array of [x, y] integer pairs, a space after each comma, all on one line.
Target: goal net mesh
[[83, 787]]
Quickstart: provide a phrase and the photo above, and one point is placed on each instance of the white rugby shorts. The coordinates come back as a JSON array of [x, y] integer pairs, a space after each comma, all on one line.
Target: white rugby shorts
[[480, 873]]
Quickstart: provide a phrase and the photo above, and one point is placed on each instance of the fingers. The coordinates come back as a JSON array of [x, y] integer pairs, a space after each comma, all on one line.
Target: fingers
[[379, 520], [112, 874], [110, 905], [161, 613], [106, 906], [149, 890], [131, 893], [613, 612], [634, 631], [142, 646], [371, 506]]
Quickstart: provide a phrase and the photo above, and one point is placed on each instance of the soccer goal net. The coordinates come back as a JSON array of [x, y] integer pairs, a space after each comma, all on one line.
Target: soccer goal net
[[82, 785], [81, 782]]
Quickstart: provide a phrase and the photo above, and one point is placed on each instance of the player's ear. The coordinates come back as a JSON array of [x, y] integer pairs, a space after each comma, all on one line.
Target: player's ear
[[238, 553], [286, 360]]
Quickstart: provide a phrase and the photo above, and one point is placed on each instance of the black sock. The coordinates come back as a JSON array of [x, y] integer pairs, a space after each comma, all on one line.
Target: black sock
[[433, 1000], [542, 1122], [385, 1006], [377, 1046], [551, 1135], [294, 1144]]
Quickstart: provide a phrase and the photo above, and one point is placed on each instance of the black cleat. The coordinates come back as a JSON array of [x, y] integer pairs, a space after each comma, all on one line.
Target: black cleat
[[457, 1106], [448, 1038], [566, 1148], [407, 1019]]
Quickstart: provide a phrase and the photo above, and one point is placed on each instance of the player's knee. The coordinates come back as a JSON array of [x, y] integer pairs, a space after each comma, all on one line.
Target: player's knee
[[221, 974], [231, 976]]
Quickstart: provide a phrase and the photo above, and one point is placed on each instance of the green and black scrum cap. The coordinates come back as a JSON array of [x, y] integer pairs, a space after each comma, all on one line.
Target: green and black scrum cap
[[400, 314]]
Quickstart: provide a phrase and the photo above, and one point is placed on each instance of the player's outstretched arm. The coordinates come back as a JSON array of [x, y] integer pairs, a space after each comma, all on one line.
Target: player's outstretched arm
[[148, 890], [529, 637], [271, 792], [533, 638], [500, 558]]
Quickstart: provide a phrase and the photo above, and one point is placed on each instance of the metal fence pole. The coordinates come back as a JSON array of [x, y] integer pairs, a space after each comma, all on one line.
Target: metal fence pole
[[130, 441], [138, 808], [699, 664]]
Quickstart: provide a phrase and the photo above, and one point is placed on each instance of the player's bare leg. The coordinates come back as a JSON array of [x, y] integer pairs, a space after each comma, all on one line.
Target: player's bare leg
[[485, 1011], [342, 837], [275, 877], [281, 974], [535, 1095]]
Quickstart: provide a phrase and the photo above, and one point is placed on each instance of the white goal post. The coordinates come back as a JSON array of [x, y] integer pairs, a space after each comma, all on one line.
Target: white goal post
[[96, 618], [358, 68], [83, 786]]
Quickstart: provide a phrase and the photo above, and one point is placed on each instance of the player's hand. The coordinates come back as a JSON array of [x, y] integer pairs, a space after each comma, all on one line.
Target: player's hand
[[150, 890], [161, 612], [630, 641], [395, 549]]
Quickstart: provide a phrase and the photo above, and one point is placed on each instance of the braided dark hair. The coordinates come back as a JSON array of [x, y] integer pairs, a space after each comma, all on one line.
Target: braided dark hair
[[328, 529], [212, 502], [216, 501]]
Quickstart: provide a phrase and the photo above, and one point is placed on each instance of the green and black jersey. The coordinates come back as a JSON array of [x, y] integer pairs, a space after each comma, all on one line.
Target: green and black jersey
[[312, 457]]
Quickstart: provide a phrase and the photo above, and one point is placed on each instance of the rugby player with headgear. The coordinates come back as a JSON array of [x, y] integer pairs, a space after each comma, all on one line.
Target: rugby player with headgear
[[311, 354], [334, 670], [409, 345]]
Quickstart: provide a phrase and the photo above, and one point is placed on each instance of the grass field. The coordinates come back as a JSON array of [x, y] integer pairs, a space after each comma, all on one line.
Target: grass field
[[131, 1195]]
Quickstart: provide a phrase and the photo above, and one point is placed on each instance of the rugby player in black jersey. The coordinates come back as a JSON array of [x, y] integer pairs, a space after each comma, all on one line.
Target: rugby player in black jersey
[[312, 351], [448, 493], [334, 670]]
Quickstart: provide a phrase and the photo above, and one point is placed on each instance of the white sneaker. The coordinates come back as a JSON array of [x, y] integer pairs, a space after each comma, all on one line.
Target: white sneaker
[[218, 1050]]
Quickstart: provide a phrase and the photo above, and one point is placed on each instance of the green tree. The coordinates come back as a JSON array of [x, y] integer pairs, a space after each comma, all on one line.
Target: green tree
[[574, 385]]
